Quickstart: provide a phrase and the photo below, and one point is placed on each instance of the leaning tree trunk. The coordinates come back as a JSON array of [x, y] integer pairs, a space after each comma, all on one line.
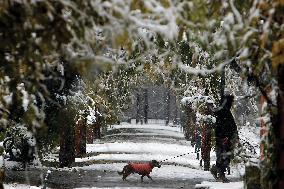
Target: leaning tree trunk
[[67, 150]]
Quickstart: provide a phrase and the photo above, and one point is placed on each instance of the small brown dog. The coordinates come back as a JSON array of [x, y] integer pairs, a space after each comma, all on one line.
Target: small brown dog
[[143, 169]]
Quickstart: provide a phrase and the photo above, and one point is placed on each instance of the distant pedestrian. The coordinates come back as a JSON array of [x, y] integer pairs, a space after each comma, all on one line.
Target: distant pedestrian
[[226, 135]]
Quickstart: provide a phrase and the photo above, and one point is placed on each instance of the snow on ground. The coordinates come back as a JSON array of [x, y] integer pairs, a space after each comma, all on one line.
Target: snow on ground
[[156, 147], [146, 150], [137, 151], [205, 184], [166, 171], [121, 188], [252, 135], [153, 134], [148, 126], [20, 186], [186, 160], [152, 151], [220, 185], [187, 166]]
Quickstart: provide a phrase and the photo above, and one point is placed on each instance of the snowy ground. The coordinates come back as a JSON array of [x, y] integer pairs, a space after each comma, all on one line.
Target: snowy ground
[[139, 143], [154, 148], [20, 186], [220, 185]]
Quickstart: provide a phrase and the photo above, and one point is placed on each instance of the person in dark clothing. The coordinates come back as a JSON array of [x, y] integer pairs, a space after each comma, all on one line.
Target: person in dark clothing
[[226, 135]]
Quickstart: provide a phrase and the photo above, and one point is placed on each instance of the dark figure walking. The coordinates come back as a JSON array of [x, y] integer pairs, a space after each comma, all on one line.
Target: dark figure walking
[[226, 135]]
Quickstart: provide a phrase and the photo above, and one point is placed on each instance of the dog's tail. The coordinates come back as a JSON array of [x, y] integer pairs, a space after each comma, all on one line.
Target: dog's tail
[[120, 173]]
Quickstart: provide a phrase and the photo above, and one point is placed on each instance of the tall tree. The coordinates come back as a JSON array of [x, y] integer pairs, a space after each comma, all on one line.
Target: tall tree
[[146, 106]]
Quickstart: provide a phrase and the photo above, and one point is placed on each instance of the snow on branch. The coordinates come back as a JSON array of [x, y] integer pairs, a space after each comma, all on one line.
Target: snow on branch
[[198, 98]]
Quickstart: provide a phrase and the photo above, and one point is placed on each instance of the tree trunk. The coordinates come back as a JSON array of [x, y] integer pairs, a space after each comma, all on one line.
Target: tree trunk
[[80, 137], [138, 104], [206, 147], [90, 134], [175, 120], [280, 131], [67, 150], [191, 123], [2, 170], [252, 177], [97, 127], [146, 107], [272, 145], [168, 110], [223, 83], [206, 142]]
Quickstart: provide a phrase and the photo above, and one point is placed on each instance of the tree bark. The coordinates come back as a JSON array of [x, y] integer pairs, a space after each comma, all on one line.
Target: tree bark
[[138, 104], [175, 120], [252, 177], [206, 139], [97, 127], [80, 137], [280, 131], [146, 106], [168, 110], [222, 85], [90, 134], [2, 170], [67, 150], [272, 147]]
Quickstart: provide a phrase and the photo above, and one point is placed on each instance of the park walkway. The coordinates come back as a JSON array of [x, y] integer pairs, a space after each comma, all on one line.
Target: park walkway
[[136, 143]]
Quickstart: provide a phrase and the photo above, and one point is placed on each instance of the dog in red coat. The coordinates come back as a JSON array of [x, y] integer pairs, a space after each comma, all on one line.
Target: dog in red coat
[[143, 169]]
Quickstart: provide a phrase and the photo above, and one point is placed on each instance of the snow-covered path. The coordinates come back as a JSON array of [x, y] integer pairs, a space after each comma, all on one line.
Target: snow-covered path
[[136, 143], [143, 143]]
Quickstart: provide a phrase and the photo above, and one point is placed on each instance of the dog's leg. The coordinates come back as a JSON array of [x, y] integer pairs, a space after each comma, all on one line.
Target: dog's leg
[[142, 178], [125, 175], [149, 177]]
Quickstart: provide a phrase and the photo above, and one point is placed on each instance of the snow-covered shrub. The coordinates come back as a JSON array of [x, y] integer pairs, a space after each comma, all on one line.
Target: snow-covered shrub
[[19, 144], [247, 150]]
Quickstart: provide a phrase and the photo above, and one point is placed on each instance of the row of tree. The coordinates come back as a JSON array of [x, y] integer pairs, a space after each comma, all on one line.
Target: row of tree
[[175, 39]]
